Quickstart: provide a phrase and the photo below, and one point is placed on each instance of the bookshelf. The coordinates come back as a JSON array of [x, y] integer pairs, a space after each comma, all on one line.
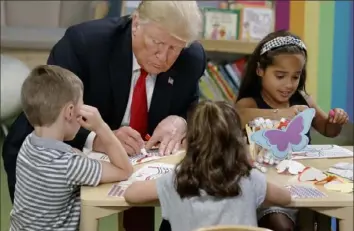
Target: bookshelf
[[229, 46]]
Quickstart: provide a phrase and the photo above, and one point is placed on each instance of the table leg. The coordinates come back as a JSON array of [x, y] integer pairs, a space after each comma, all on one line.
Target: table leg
[[91, 214], [120, 221], [306, 220], [344, 214], [323, 222], [89, 219], [346, 225]]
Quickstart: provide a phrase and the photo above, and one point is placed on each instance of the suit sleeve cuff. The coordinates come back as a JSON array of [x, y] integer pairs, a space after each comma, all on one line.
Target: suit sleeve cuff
[[89, 141]]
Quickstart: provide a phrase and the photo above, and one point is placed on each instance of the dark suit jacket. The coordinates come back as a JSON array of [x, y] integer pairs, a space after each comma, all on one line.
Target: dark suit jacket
[[99, 52]]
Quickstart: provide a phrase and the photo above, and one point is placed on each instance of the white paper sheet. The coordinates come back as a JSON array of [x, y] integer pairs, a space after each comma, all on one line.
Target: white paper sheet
[[138, 159], [322, 151], [148, 172]]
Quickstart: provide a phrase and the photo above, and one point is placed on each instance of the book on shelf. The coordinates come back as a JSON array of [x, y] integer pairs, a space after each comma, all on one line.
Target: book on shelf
[[230, 20], [249, 21], [237, 4], [256, 23], [221, 24], [221, 81]]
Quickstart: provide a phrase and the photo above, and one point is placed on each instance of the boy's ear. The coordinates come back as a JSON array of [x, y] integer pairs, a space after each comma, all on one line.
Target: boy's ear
[[69, 112]]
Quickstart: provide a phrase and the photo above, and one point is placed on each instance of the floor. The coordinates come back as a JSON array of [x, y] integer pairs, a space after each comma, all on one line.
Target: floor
[[108, 223]]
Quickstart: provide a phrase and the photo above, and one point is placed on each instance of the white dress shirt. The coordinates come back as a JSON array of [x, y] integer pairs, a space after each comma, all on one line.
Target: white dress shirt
[[150, 85]]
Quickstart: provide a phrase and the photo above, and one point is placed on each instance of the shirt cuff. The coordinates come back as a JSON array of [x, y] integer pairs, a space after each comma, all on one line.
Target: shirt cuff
[[89, 141]]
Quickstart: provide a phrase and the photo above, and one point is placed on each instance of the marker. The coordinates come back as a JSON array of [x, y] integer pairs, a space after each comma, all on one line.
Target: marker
[[144, 152], [147, 137], [331, 113]]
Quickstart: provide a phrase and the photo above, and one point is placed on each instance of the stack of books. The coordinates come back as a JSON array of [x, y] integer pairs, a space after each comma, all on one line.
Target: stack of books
[[222, 81]]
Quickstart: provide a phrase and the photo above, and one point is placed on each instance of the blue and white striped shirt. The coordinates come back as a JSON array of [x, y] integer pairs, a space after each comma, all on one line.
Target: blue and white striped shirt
[[49, 174]]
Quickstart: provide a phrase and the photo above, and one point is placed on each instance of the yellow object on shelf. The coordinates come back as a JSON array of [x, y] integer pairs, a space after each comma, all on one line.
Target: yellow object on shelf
[[229, 46]]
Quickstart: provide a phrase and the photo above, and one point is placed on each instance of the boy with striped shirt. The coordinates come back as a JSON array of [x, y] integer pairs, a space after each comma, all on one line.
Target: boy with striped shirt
[[49, 172]]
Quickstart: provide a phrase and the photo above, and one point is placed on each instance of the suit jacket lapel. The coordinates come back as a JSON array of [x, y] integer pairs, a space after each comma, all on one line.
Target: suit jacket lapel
[[160, 102], [121, 66]]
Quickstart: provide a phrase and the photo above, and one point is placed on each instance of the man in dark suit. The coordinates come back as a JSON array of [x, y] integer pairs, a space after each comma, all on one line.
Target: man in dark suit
[[140, 72]]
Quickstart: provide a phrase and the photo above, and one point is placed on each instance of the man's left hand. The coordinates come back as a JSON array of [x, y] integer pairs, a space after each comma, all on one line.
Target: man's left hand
[[169, 132]]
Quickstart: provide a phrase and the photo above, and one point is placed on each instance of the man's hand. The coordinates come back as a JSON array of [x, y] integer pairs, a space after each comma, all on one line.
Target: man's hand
[[130, 139], [169, 133]]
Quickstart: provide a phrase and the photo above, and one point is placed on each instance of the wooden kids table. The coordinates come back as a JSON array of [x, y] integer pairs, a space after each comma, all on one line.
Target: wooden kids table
[[96, 204]]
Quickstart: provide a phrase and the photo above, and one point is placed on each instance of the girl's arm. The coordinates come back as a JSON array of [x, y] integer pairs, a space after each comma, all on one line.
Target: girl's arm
[[141, 192], [321, 120], [276, 195]]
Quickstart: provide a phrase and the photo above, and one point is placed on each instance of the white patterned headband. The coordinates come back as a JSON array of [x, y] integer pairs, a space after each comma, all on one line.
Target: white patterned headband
[[282, 41]]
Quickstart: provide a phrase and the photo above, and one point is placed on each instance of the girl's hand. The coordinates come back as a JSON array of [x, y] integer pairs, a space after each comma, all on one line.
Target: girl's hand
[[338, 116]]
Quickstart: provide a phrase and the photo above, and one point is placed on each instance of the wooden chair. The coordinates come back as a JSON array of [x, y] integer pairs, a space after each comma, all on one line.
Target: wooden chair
[[232, 228]]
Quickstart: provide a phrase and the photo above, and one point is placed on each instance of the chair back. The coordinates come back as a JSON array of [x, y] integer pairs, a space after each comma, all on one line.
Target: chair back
[[232, 228]]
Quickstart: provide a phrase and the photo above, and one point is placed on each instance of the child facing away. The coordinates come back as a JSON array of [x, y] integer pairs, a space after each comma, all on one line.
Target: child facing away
[[214, 184], [273, 86], [49, 172]]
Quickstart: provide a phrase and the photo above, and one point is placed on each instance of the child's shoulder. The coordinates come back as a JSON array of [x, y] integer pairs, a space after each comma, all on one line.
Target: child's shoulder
[[247, 102], [256, 176], [40, 146]]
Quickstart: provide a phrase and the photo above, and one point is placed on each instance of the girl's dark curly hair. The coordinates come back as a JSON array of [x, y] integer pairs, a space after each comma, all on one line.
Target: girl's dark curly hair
[[251, 84], [216, 154]]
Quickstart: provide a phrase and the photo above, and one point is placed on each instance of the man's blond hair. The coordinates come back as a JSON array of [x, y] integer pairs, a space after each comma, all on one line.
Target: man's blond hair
[[181, 18], [46, 91]]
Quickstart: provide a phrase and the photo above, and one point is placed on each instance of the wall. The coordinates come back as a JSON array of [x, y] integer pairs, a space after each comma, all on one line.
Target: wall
[[327, 29]]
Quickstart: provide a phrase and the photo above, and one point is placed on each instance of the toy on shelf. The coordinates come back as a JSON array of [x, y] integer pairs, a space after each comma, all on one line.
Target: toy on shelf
[[272, 142]]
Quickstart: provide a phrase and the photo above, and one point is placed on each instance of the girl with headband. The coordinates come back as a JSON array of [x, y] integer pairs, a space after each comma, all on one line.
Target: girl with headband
[[273, 86]]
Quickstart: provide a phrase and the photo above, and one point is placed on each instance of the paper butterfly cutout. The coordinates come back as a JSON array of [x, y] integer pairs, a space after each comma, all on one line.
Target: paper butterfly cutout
[[281, 142], [293, 167], [312, 174]]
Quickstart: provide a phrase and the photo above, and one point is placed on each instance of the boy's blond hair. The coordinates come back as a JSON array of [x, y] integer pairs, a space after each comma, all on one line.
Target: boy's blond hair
[[46, 91]]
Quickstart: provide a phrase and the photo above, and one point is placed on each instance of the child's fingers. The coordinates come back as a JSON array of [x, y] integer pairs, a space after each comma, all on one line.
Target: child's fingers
[[330, 119], [82, 122], [344, 118], [85, 113], [339, 117], [89, 109]]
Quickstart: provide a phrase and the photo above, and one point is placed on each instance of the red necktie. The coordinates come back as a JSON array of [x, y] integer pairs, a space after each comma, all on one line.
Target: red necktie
[[139, 108]]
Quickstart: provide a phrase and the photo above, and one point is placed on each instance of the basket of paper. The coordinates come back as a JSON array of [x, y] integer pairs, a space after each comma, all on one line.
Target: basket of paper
[[258, 153], [272, 141]]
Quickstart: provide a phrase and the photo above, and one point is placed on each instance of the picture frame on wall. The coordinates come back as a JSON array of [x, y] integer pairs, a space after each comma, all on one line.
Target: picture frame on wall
[[221, 24], [256, 22]]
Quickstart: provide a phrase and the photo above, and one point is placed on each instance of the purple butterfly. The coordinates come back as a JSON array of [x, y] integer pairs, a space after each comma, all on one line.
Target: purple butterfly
[[293, 138]]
